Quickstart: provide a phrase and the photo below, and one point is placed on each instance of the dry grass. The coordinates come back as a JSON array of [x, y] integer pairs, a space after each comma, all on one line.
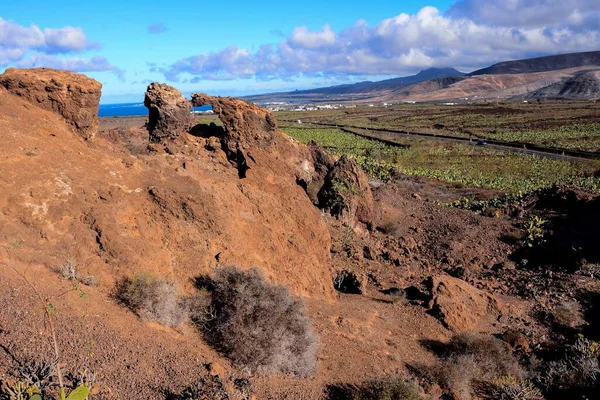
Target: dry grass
[[468, 361], [259, 325], [577, 374], [384, 389], [153, 299]]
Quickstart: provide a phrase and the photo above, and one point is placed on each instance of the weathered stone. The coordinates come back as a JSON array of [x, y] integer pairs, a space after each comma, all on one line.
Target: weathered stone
[[169, 113], [323, 162], [73, 96], [246, 124], [346, 193], [458, 305]]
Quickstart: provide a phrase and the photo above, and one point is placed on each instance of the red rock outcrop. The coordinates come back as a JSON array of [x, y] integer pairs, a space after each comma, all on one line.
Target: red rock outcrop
[[341, 187], [460, 306], [169, 113], [119, 211], [73, 96]]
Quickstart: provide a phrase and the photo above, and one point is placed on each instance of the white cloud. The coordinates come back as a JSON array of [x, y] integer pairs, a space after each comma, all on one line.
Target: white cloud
[[472, 34], [31, 46], [303, 38]]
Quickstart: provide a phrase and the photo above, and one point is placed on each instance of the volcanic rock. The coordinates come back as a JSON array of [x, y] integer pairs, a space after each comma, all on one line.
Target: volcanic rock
[[246, 124], [74, 97], [323, 162], [460, 306], [169, 113], [346, 193], [179, 215]]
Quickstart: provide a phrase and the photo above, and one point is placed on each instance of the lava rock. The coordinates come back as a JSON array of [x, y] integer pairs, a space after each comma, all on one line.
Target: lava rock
[[73, 96], [169, 113]]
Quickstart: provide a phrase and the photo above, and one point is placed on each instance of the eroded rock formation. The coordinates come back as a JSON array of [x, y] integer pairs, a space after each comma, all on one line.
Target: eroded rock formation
[[346, 193], [169, 113], [73, 96]]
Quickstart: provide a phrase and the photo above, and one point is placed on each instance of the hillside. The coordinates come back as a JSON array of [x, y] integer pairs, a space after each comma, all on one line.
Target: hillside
[[542, 64], [359, 90], [583, 85], [518, 80], [182, 259]]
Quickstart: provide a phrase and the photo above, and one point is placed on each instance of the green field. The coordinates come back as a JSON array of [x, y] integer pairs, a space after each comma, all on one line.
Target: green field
[[457, 163], [567, 125]]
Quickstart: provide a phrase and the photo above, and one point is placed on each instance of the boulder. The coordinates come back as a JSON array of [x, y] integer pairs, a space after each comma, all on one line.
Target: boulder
[[169, 113], [346, 193], [460, 306], [73, 96], [323, 162]]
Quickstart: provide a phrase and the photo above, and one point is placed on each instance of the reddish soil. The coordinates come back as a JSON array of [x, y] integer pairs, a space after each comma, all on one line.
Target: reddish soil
[[118, 208]]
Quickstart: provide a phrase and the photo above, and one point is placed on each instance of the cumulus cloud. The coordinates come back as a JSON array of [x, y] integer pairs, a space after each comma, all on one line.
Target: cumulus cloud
[[17, 40], [76, 64], [157, 28], [470, 35], [573, 14], [32, 47]]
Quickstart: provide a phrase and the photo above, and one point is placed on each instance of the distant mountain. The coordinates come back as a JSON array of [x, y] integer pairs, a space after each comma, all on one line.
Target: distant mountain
[[541, 64], [574, 76], [360, 89], [583, 85]]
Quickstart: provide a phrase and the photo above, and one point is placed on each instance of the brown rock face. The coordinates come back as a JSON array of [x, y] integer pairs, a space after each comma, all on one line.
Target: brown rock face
[[178, 214], [246, 124], [460, 306], [169, 113], [346, 193], [323, 162], [73, 96]]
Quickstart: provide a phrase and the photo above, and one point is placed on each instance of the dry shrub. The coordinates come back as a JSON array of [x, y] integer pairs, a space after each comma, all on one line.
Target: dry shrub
[[577, 373], [470, 360], [384, 389], [152, 299], [259, 325], [511, 388], [213, 388]]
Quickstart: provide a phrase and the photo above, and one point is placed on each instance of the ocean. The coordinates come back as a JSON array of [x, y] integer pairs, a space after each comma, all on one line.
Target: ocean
[[131, 110]]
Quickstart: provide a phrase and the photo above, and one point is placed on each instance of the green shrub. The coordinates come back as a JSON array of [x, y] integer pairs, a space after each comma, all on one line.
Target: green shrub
[[259, 325]]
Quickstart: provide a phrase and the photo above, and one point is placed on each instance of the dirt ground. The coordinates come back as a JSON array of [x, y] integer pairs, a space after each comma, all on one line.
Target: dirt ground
[[362, 336]]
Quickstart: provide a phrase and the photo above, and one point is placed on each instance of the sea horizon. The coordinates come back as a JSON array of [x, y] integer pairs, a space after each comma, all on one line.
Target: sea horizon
[[132, 110]]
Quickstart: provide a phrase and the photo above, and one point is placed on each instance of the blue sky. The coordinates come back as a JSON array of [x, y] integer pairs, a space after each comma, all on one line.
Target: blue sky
[[255, 47]]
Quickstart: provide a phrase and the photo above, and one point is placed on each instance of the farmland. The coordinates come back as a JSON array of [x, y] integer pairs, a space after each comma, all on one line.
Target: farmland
[[463, 164], [574, 125]]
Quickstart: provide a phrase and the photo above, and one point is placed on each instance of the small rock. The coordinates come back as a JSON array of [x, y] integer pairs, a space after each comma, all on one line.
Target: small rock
[[516, 340], [215, 369]]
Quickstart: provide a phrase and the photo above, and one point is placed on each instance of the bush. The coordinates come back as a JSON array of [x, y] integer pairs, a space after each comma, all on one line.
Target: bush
[[213, 388], [468, 360], [259, 325], [152, 299], [511, 388], [576, 373], [387, 389]]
